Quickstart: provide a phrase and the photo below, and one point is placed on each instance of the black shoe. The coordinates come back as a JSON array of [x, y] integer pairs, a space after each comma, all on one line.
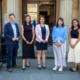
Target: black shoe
[[44, 66], [27, 65], [39, 66], [23, 68], [73, 70]]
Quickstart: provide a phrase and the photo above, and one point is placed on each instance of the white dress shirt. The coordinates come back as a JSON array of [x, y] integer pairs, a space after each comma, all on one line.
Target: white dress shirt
[[14, 30]]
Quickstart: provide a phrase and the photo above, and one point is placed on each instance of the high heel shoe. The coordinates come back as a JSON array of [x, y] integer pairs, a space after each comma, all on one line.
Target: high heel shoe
[[44, 66], [28, 65], [23, 68], [73, 69], [39, 66]]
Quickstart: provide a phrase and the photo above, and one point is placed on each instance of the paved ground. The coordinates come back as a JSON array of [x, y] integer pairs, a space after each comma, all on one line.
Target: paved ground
[[33, 73]]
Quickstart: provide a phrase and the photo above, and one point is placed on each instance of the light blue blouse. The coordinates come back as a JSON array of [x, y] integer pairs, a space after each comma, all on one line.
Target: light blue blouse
[[59, 32]]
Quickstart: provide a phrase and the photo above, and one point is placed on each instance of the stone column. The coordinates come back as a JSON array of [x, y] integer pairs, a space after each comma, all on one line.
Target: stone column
[[66, 11], [4, 11], [13, 7], [57, 9], [75, 9], [20, 11], [79, 11], [66, 14]]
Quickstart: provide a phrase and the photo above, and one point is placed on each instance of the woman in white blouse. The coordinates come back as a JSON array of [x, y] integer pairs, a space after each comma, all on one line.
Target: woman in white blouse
[[42, 35]]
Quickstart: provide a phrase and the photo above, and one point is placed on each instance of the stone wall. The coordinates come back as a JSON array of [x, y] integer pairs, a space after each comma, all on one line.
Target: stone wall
[[68, 9], [79, 11], [75, 6]]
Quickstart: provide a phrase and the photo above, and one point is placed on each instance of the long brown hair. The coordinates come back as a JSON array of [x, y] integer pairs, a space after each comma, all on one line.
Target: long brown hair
[[76, 21], [25, 20]]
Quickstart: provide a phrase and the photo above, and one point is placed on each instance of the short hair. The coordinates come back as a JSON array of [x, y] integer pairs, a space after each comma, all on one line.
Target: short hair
[[11, 14], [43, 18]]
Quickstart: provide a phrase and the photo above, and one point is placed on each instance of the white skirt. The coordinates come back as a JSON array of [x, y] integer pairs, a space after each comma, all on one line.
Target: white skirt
[[74, 54]]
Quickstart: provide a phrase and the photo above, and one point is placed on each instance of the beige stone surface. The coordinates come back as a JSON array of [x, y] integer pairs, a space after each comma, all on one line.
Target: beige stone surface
[[16, 8], [79, 11], [57, 9], [75, 9], [66, 12], [4, 10], [20, 11]]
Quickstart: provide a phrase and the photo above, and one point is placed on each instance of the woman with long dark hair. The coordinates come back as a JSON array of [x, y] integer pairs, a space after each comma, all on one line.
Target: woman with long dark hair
[[28, 38], [59, 36], [74, 42]]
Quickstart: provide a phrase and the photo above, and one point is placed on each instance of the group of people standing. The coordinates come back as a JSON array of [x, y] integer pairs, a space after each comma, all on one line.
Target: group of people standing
[[41, 34]]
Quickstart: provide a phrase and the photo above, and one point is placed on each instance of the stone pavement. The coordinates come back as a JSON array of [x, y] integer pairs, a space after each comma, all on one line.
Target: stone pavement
[[33, 73]]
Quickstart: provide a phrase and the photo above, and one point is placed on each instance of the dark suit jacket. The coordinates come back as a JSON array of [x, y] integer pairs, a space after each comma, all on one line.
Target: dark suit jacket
[[8, 33]]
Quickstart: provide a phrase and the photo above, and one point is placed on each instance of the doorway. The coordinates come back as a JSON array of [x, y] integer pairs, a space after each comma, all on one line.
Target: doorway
[[37, 8], [48, 11]]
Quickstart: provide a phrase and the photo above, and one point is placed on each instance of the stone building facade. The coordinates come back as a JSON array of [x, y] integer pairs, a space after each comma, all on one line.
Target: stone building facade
[[68, 9]]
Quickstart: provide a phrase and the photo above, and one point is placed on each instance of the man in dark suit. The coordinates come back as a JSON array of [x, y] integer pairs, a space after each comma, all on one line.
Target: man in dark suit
[[12, 35]]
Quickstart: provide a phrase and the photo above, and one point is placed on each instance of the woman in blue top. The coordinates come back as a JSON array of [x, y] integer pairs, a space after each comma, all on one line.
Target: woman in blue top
[[59, 36]]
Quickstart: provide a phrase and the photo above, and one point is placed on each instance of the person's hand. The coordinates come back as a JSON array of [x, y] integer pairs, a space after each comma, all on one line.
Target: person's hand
[[17, 39], [27, 42], [44, 41], [73, 46], [59, 44], [31, 42], [13, 39]]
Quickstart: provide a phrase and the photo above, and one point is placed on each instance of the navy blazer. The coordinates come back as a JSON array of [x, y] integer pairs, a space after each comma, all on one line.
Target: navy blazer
[[8, 32]]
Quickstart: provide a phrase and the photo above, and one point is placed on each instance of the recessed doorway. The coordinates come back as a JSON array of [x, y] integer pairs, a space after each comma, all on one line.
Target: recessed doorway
[[37, 8]]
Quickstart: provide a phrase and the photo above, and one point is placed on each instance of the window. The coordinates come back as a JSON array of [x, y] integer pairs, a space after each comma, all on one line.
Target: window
[[32, 10]]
